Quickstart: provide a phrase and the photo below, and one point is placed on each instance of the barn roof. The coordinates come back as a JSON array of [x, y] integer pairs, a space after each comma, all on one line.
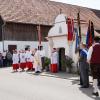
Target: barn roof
[[43, 11]]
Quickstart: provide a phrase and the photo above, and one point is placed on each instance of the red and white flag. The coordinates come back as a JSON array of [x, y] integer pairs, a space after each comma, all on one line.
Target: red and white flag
[[70, 25]]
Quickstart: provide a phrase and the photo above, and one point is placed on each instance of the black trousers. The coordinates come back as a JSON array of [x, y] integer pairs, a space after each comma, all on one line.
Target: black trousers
[[4, 62], [95, 70], [84, 73], [98, 82], [43, 61]]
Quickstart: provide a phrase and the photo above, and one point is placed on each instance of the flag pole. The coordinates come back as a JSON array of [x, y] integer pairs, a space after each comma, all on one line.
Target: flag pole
[[39, 34], [79, 30], [79, 26]]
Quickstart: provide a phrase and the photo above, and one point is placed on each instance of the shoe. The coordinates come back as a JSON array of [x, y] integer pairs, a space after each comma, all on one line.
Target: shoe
[[95, 94], [80, 84], [37, 72]]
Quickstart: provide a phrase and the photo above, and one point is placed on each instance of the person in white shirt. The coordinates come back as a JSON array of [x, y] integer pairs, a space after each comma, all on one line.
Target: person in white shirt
[[22, 60], [37, 61], [54, 61], [29, 63], [93, 58], [15, 59], [4, 59], [42, 54]]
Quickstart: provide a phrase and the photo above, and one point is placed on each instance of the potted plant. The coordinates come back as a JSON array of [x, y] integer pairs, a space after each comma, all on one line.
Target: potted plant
[[69, 65], [47, 63]]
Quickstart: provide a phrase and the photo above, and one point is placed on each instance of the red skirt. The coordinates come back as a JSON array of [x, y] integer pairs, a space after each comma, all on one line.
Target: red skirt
[[29, 65], [22, 65], [54, 68], [15, 66]]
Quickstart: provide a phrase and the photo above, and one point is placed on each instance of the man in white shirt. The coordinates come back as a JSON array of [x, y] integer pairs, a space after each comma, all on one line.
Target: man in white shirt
[[42, 55], [4, 59], [93, 58], [54, 61], [37, 61]]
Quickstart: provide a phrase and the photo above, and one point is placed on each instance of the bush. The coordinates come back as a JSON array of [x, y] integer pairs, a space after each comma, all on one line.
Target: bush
[[68, 63], [47, 61]]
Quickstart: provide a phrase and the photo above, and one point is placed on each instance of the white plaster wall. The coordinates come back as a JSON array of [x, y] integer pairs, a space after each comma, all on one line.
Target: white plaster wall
[[1, 47], [60, 25], [61, 42], [22, 44]]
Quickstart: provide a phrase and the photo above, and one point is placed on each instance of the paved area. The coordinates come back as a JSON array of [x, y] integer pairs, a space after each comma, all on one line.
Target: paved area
[[46, 86]]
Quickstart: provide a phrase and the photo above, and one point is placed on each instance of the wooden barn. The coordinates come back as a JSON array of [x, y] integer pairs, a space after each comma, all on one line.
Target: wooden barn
[[19, 20]]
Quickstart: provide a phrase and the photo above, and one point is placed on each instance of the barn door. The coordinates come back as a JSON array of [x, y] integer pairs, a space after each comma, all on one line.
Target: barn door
[[12, 47]]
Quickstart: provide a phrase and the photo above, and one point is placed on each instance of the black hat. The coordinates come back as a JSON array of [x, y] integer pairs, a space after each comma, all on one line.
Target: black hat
[[96, 39]]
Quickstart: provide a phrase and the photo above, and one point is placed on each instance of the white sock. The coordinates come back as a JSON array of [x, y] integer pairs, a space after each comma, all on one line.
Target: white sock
[[95, 85]]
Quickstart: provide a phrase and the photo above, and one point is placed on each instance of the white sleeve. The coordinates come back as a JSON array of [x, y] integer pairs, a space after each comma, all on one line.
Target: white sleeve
[[25, 55], [43, 53], [89, 54]]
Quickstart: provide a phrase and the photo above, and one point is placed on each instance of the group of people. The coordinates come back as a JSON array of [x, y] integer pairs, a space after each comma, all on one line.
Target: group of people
[[29, 60], [34, 60], [5, 58], [90, 58]]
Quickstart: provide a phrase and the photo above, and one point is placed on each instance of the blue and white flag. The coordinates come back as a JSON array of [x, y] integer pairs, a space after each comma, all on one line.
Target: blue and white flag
[[77, 41]]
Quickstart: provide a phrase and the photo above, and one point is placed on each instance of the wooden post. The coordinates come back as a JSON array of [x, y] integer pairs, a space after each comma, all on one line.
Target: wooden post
[[39, 34]]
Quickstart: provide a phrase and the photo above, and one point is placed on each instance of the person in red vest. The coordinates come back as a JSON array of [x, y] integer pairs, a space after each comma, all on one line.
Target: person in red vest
[[93, 58], [54, 61]]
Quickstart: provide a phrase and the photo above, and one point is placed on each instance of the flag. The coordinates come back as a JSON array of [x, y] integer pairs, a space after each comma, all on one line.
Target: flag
[[90, 34], [70, 25], [92, 30], [77, 41], [79, 26], [1, 21], [87, 36]]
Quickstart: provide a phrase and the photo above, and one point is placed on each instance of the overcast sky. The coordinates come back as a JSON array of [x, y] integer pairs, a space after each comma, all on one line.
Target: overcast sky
[[95, 4]]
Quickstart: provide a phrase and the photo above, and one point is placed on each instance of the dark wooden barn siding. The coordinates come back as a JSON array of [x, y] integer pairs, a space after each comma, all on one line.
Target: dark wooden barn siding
[[0, 32], [24, 32], [44, 32], [1, 26]]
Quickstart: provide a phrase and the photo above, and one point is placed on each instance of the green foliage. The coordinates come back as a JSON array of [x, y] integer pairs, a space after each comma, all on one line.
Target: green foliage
[[67, 63], [47, 61]]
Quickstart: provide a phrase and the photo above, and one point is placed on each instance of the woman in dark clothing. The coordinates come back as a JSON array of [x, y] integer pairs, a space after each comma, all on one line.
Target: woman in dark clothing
[[9, 58]]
